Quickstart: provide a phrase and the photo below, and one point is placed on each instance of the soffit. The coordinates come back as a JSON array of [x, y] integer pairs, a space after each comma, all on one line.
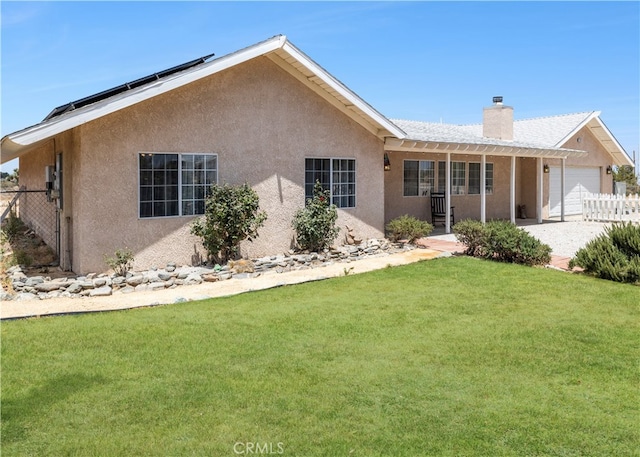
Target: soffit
[[609, 142]]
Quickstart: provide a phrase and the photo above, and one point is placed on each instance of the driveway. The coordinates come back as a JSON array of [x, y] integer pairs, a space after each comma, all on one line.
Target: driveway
[[564, 238]]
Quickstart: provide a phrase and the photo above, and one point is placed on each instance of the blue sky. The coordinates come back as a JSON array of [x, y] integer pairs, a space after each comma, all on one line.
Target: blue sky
[[429, 61]]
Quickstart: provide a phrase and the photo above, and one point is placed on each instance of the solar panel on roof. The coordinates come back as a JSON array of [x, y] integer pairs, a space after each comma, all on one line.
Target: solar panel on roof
[[124, 87]]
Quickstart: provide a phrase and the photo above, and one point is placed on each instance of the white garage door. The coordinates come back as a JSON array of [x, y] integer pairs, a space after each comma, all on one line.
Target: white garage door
[[578, 182]]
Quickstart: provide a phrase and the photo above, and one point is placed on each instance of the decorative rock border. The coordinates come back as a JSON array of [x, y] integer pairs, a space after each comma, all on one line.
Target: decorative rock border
[[172, 276]]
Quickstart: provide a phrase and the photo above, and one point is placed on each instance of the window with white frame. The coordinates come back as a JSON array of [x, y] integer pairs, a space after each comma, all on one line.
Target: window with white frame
[[336, 175], [175, 184], [442, 173], [474, 178], [458, 178], [419, 177]]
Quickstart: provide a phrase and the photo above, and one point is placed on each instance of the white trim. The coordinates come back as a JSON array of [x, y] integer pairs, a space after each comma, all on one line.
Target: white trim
[[331, 159]]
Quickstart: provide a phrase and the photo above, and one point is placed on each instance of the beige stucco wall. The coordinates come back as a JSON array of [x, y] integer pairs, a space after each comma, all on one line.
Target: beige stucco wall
[[465, 206], [261, 123]]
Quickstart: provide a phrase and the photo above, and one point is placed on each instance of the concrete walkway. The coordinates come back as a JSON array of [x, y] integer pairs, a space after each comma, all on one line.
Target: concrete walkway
[[119, 301]]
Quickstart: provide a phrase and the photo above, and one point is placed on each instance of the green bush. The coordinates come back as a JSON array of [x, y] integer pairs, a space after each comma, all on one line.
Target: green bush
[[614, 255], [502, 241], [121, 262], [232, 215], [12, 225], [315, 224], [470, 233], [408, 228]]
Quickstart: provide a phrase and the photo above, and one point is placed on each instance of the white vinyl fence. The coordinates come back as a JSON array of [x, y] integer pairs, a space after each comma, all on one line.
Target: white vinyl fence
[[611, 208]]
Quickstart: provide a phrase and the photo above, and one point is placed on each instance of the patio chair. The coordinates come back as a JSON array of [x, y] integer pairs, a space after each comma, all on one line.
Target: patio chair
[[438, 209]]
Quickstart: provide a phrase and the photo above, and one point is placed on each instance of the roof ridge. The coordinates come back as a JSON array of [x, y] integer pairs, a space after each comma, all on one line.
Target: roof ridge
[[586, 113]]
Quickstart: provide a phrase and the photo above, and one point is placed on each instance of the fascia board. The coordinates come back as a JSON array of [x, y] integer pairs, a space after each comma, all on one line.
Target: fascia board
[[343, 90], [408, 145], [47, 129]]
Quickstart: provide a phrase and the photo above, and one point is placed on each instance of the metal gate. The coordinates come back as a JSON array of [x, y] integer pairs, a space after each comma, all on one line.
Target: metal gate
[[37, 211]]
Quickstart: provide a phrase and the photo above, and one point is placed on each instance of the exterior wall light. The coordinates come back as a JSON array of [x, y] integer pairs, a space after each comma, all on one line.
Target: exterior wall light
[[546, 168], [387, 163], [609, 171]]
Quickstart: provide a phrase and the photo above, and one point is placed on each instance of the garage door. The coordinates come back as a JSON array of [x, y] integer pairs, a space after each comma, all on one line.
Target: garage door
[[578, 182]]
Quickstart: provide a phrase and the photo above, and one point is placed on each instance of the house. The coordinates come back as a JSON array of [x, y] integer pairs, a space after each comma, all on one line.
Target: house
[[129, 167]]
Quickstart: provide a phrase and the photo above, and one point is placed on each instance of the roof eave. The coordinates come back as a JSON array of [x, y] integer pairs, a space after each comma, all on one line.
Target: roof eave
[[409, 145], [19, 142]]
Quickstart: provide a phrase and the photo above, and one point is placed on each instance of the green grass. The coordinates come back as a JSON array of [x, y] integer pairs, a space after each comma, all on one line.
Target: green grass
[[453, 357]]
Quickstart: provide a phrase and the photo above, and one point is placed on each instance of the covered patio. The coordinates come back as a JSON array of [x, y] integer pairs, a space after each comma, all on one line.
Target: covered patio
[[521, 180]]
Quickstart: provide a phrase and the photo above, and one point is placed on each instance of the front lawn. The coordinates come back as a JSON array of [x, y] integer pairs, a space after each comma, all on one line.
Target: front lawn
[[450, 357]]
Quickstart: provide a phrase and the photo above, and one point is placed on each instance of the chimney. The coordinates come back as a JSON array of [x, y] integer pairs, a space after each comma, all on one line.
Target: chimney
[[497, 121]]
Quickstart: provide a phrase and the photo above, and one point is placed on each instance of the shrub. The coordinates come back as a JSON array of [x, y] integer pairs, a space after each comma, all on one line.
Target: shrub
[[315, 224], [22, 258], [408, 228], [505, 242], [502, 241], [12, 226], [232, 215], [614, 255], [470, 233], [121, 262]]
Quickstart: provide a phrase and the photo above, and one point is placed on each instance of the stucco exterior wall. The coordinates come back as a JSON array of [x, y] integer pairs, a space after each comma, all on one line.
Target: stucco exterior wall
[[261, 123], [465, 206]]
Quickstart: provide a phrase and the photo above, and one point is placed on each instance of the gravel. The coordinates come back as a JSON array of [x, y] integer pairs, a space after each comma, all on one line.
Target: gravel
[[565, 238]]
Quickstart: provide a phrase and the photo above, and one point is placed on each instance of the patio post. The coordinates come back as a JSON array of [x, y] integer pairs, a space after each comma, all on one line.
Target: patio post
[[512, 189], [540, 190], [447, 193], [562, 188], [483, 191]]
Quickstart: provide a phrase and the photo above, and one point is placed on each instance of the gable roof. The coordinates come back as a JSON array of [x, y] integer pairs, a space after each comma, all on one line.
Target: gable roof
[[465, 139], [542, 136], [555, 131], [278, 49]]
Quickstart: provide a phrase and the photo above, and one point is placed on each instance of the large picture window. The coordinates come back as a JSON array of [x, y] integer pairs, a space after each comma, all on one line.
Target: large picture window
[[419, 177], [336, 175], [175, 184]]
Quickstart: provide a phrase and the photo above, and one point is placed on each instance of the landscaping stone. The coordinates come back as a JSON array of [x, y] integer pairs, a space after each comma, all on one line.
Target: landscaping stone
[[135, 280], [156, 285], [164, 275], [172, 276], [99, 282], [48, 286], [74, 288], [32, 281], [100, 291]]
